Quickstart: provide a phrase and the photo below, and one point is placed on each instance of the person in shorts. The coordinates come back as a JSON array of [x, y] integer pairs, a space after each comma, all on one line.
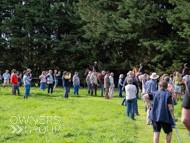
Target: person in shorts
[[177, 85], [6, 77], [185, 117], [160, 111], [56, 78]]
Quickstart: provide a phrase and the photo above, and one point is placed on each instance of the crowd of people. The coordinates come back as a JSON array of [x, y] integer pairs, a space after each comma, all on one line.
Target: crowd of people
[[160, 93]]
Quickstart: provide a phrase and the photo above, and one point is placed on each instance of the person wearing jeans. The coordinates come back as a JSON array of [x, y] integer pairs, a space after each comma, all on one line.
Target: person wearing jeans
[[26, 81], [66, 85], [30, 76], [102, 83], [76, 83], [49, 78], [120, 84], [130, 94], [88, 81]]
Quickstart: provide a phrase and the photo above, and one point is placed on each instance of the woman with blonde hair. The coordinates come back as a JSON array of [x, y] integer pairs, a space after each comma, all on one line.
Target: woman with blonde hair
[[120, 84]]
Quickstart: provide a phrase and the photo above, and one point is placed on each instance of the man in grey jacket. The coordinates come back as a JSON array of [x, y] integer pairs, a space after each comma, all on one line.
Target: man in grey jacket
[[76, 83]]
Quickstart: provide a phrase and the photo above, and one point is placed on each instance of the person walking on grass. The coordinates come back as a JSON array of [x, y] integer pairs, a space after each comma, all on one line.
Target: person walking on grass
[[102, 83], [56, 78], [94, 82], [42, 78], [6, 77], [63, 78], [88, 82], [107, 84], [177, 85], [160, 111], [66, 85], [30, 76], [26, 81], [120, 84], [49, 79], [14, 81], [130, 93], [76, 83]]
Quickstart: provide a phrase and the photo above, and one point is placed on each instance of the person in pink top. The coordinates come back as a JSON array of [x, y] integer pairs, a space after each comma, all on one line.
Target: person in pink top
[[43, 81]]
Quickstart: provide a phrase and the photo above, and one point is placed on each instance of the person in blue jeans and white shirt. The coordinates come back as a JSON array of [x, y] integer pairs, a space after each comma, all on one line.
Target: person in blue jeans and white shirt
[[130, 93], [76, 83], [26, 81]]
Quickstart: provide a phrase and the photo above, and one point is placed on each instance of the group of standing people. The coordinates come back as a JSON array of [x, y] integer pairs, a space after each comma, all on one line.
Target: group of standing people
[[106, 80]]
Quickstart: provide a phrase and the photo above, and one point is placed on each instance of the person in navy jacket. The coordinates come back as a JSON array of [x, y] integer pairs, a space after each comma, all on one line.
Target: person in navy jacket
[[160, 113]]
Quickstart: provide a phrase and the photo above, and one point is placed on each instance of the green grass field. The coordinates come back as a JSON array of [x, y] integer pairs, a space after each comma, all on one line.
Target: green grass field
[[82, 119]]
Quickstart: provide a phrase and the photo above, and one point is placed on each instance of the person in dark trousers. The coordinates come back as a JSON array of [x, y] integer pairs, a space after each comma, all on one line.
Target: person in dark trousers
[[95, 67], [66, 85], [102, 83], [141, 69], [49, 79], [14, 81], [160, 111], [120, 84]]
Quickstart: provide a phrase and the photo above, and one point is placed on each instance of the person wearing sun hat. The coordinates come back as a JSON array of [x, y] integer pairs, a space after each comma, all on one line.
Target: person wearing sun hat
[[151, 85]]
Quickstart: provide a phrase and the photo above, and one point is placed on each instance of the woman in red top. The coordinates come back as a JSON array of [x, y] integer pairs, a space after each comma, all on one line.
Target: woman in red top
[[14, 81]]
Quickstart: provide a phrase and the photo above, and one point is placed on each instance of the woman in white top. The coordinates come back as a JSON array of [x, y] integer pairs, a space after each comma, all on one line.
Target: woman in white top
[[130, 93], [43, 81]]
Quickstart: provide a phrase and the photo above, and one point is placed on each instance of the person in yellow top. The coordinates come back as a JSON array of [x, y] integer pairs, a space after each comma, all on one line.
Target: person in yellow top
[[177, 85]]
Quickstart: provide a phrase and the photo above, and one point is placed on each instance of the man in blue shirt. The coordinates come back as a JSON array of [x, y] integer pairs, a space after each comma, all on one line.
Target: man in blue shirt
[[151, 85], [6, 77]]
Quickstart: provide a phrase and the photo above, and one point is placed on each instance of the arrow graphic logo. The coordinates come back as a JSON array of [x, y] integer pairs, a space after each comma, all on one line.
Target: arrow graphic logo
[[15, 129]]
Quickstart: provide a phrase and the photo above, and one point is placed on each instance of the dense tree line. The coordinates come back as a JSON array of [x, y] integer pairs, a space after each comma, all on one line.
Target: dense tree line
[[71, 35]]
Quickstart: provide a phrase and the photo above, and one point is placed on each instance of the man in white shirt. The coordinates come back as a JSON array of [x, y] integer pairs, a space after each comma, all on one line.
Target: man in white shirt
[[112, 85]]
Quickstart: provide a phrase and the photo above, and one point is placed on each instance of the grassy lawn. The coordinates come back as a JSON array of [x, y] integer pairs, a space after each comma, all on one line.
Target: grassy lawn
[[51, 118]]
